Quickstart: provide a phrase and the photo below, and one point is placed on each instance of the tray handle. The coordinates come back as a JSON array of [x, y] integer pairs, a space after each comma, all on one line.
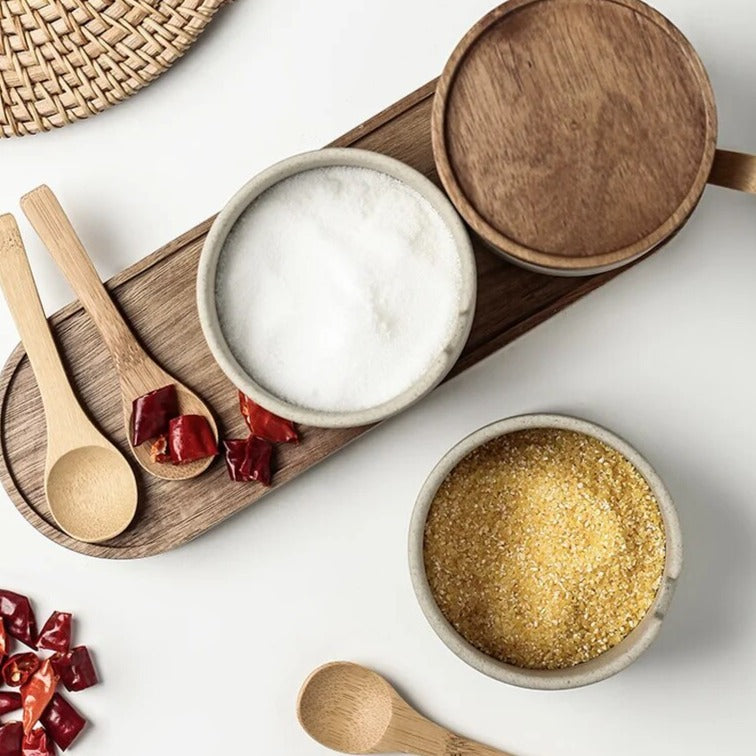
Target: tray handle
[[734, 170]]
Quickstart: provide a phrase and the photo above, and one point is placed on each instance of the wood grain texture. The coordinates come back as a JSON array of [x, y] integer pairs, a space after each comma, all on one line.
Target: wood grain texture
[[157, 296], [734, 170], [352, 709], [574, 134]]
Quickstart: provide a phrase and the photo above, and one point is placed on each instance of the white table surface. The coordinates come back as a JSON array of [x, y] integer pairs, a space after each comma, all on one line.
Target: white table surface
[[202, 650]]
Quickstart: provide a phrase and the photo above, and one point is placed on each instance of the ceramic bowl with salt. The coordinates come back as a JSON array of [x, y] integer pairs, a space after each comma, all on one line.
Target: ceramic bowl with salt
[[337, 287]]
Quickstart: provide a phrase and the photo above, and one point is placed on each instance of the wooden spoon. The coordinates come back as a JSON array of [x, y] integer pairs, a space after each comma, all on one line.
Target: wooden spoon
[[137, 371], [354, 710], [90, 487]]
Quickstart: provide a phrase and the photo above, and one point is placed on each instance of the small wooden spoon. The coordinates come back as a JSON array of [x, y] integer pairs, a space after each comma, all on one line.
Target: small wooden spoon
[[354, 710], [90, 487], [137, 371]]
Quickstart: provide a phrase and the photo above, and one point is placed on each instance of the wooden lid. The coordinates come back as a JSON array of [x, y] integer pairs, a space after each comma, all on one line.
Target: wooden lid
[[574, 134]]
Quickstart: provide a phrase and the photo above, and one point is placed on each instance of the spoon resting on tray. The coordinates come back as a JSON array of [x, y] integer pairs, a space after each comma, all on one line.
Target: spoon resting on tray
[[137, 372], [352, 709], [89, 485]]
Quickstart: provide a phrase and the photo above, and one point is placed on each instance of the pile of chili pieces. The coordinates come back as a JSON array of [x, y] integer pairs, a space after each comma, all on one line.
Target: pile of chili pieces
[[250, 459], [48, 719], [175, 439], [178, 439]]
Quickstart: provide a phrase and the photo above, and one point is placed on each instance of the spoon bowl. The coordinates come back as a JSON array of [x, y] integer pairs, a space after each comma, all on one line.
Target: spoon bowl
[[140, 380], [92, 493], [352, 709], [90, 487], [345, 707]]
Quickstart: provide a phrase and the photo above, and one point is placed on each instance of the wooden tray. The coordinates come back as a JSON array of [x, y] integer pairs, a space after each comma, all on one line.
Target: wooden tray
[[158, 296]]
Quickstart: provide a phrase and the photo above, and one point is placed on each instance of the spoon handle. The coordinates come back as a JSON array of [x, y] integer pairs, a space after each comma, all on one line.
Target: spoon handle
[[458, 746], [412, 733], [52, 225], [433, 740], [17, 284]]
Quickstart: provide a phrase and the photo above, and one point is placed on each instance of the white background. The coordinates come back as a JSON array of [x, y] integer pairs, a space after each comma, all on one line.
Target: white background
[[202, 650]]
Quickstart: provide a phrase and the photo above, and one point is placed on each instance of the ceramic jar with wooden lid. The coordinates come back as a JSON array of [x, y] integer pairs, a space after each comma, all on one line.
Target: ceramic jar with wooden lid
[[575, 136]]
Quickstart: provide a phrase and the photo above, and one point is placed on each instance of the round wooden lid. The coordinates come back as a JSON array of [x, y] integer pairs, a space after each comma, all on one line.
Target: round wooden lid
[[574, 134]]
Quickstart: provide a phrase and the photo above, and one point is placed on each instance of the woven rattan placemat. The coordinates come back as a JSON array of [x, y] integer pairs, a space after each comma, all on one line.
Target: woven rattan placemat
[[62, 60]]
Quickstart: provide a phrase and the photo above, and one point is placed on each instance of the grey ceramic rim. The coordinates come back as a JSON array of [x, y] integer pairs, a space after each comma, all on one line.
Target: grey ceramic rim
[[564, 272], [220, 229], [608, 663]]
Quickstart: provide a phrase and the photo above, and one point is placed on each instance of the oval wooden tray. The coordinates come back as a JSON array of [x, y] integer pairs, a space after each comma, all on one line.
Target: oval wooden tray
[[157, 295]]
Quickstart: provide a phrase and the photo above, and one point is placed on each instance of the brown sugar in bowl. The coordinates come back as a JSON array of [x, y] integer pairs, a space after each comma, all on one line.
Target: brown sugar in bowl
[[575, 136], [561, 575]]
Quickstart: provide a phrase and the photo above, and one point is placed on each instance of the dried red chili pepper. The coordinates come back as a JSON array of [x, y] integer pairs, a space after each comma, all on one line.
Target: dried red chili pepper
[[37, 693], [264, 424], [9, 702], [75, 669], [36, 743], [18, 616], [190, 438], [62, 722], [56, 633], [151, 413], [159, 450], [4, 645], [248, 459], [11, 737], [19, 668]]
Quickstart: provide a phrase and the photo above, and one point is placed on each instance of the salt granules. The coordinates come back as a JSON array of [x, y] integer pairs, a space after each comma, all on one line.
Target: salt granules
[[338, 288], [544, 548]]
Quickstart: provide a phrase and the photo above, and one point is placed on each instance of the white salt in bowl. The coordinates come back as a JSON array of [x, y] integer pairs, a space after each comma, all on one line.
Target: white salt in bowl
[[600, 667], [212, 279]]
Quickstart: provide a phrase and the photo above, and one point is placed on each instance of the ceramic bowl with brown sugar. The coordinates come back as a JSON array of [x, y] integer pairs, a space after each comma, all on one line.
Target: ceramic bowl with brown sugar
[[575, 137], [539, 555]]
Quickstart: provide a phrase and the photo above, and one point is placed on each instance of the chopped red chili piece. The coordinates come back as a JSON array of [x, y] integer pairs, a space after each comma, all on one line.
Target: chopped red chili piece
[[151, 413], [4, 645], [62, 722], [249, 459], [75, 669], [36, 743], [264, 424], [190, 438], [56, 633], [9, 702], [159, 450], [11, 737], [18, 616], [37, 693], [19, 668]]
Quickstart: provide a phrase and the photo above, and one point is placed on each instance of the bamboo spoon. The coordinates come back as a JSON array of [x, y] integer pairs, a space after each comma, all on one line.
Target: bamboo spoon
[[138, 373], [354, 710], [90, 487]]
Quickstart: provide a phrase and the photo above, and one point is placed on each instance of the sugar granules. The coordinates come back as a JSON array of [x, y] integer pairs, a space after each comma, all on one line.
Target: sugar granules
[[338, 288], [544, 548]]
